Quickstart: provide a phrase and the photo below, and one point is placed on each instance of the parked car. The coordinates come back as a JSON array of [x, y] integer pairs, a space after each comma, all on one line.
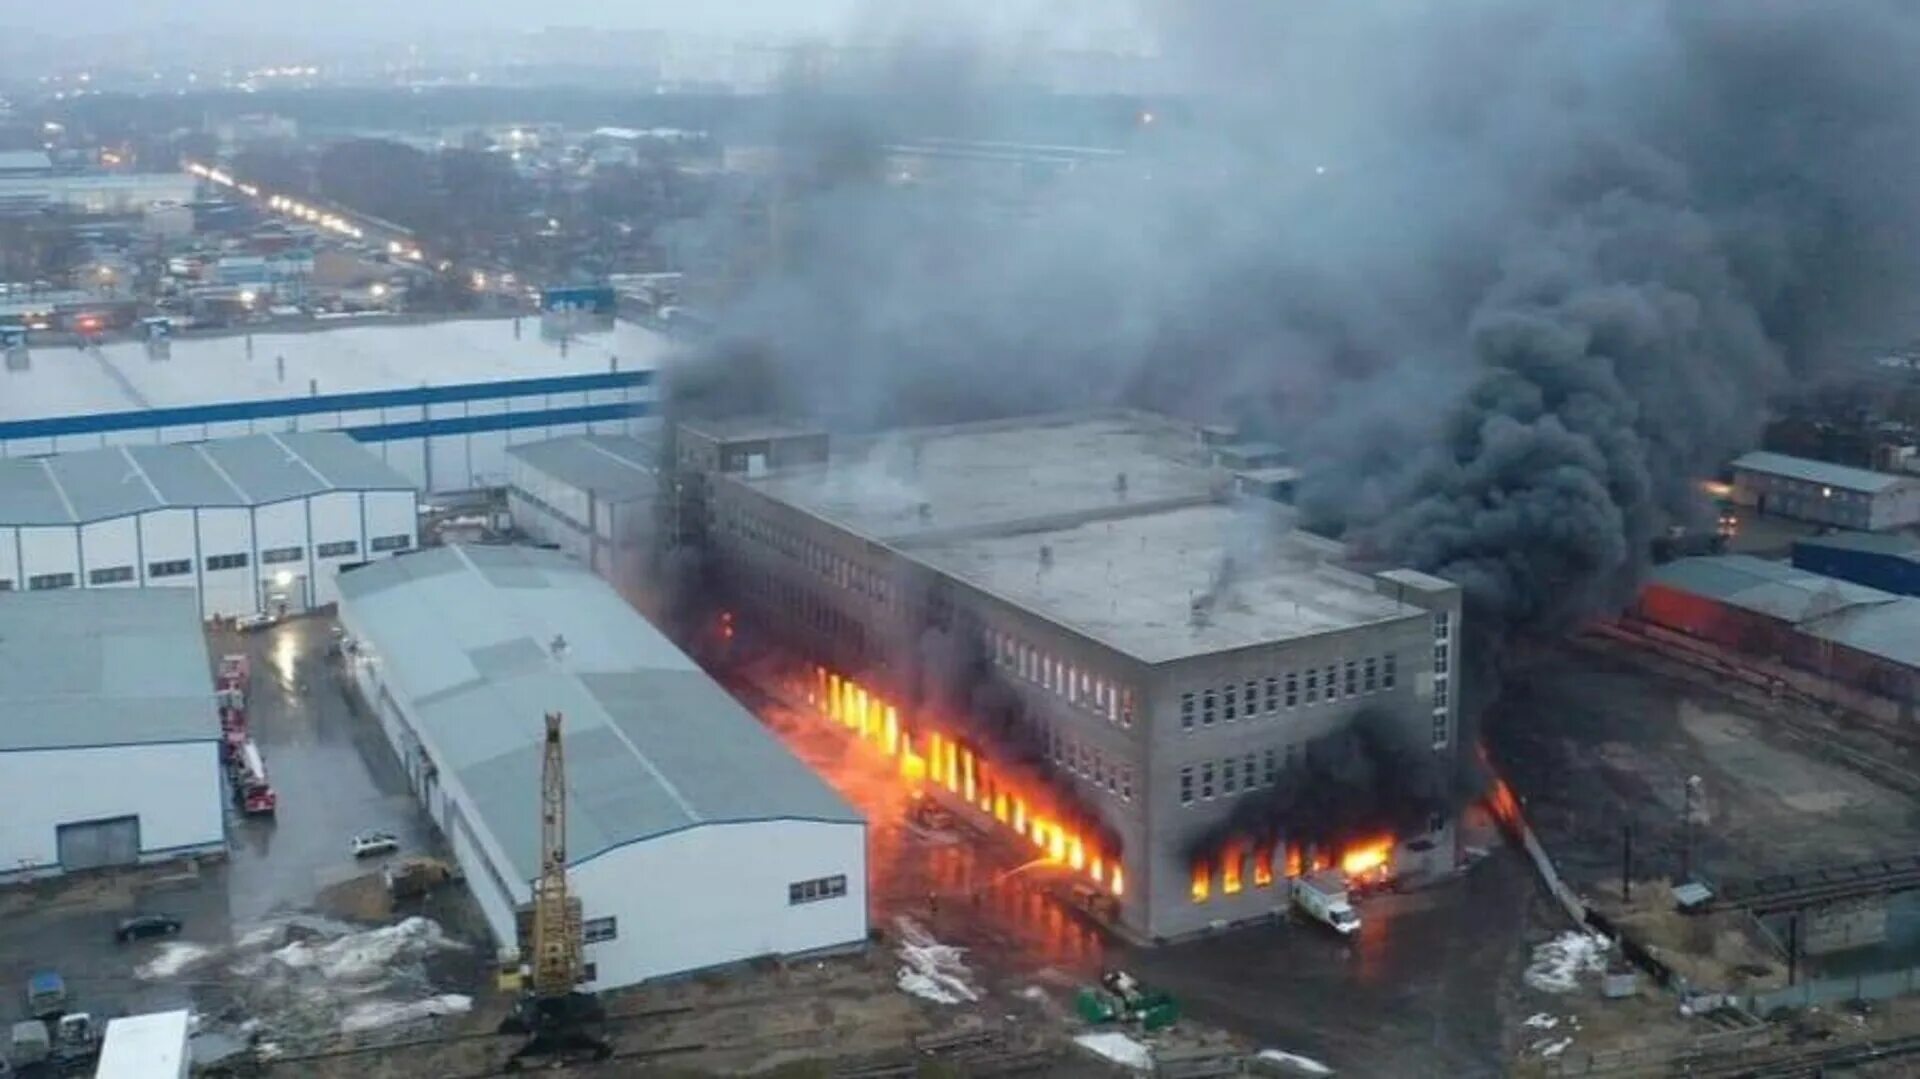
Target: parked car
[[368, 844], [256, 620], [142, 926]]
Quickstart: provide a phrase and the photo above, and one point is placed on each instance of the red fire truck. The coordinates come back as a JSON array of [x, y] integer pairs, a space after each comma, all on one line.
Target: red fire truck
[[250, 787]]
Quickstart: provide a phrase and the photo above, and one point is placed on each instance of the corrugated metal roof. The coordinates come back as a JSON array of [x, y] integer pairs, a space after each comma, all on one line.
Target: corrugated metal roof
[[467, 635], [253, 470], [611, 468], [1822, 472], [1776, 589], [94, 667], [1865, 619]]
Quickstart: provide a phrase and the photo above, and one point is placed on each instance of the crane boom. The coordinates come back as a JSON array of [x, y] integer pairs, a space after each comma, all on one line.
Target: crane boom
[[557, 962]]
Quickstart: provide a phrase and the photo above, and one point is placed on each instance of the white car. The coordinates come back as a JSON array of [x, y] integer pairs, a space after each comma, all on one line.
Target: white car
[[256, 620], [368, 844]]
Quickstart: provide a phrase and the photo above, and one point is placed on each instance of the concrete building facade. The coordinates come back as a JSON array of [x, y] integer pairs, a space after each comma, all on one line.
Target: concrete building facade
[[694, 839], [1166, 650], [256, 524], [109, 738], [1830, 494]]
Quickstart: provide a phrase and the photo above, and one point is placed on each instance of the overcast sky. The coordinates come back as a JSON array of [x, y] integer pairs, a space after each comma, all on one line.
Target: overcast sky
[[1066, 19]]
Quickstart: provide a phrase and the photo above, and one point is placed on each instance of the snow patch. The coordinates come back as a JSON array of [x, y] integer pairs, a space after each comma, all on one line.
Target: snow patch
[[388, 1013], [932, 970], [1558, 964], [1118, 1048], [359, 957], [1295, 1063], [1542, 1021], [170, 959], [1551, 1049]]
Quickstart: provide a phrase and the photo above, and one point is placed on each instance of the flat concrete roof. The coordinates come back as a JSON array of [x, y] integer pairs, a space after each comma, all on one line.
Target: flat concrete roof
[[252, 470], [122, 376], [613, 468], [103, 667], [468, 636], [1132, 582], [1124, 566], [986, 477]]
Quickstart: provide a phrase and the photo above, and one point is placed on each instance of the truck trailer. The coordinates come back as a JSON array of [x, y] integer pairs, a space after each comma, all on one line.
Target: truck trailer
[[152, 1046], [1322, 896]]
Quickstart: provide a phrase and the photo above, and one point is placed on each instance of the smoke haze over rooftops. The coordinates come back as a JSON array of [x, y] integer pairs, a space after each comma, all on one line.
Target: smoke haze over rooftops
[[1505, 275]]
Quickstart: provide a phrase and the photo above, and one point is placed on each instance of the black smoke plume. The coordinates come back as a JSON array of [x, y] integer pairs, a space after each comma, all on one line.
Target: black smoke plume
[[1366, 779], [1507, 275]]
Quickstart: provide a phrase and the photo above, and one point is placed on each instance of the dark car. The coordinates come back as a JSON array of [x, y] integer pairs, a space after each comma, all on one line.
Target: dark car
[[142, 926]]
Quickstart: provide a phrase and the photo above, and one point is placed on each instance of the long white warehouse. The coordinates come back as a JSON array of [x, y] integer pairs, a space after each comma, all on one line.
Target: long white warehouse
[[694, 838], [109, 739], [439, 401], [260, 523]]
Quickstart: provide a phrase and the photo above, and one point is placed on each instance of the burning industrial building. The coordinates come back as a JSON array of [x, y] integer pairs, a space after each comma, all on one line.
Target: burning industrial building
[[1071, 628]]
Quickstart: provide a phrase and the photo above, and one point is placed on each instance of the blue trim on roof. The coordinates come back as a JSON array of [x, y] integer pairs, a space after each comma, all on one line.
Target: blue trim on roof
[[497, 421], [277, 408], [209, 740]]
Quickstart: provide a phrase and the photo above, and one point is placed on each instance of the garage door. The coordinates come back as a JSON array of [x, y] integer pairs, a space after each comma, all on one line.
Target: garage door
[[93, 844]]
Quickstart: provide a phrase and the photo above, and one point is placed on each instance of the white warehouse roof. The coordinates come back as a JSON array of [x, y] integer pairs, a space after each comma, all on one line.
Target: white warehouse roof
[[252, 470], [1822, 472], [653, 745], [103, 667], [198, 370], [613, 468]]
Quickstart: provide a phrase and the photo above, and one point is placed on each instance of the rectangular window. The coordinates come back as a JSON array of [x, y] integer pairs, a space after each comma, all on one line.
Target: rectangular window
[[1439, 659], [1126, 782], [337, 550], [1206, 781], [177, 568], [1313, 685], [813, 891], [1273, 693], [226, 561], [1333, 681], [110, 575], [1271, 772], [1186, 711], [1126, 708], [6, 584], [1353, 678], [1442, 625], [44, 582], [1186, 785], [1250, 693], [1228, 697], [1369, 674], [595, 930], [390, 543], [1439, 693], [1293, 688], [283, 554], [1440, 729], [1206, 708], [1229, 775], [1246, 771], [1387, 672]]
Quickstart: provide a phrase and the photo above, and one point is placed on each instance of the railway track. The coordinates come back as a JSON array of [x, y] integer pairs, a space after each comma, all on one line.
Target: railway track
[[1820, 1062]]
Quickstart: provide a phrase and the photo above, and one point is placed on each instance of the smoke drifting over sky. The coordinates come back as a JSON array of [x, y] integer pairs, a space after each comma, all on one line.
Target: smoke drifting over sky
[[1505, 274]]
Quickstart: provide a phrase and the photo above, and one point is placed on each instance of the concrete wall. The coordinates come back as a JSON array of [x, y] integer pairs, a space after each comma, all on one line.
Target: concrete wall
[[135, 551], [1896, 506], [175, 790]]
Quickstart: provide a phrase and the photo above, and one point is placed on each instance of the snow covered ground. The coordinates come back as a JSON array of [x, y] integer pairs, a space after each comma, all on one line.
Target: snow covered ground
[[932, 970], [1117, 1047], [1557, 965]]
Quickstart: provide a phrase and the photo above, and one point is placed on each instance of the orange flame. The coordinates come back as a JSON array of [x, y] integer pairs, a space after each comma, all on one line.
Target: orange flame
[[1368, 857], [1230, 860], [946, 763], [1202, 881], [1263, 866]]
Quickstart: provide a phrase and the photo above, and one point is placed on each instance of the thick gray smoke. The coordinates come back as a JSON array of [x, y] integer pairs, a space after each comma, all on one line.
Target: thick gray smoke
[[1507, 275]]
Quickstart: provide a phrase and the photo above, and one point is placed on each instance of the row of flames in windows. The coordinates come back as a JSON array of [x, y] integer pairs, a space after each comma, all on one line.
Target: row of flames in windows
[[939, 759], [1367, 861]]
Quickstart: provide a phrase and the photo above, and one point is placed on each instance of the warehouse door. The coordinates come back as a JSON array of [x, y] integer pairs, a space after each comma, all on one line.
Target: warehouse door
[[284, 594], [96, 843]]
